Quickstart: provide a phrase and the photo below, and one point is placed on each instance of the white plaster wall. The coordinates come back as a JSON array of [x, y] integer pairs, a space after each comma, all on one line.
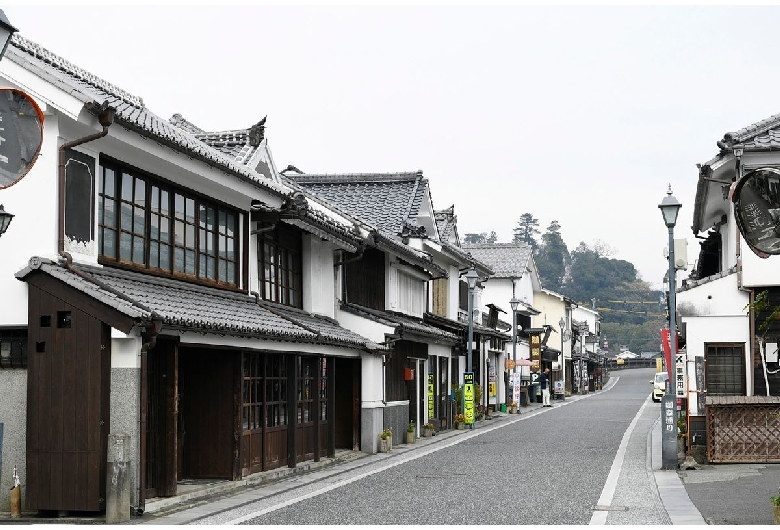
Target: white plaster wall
[[552, 310], [318, 279], [453, 292], [372, 382], [33, 230], [718, 297], [125, 350], [758, 272], [709, 329]]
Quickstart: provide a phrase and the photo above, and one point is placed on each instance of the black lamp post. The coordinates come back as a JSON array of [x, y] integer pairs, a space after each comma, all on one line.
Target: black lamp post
[[487, 386], [564, 338], [670, 207], [513, 303], [5, 220], [471, 279]]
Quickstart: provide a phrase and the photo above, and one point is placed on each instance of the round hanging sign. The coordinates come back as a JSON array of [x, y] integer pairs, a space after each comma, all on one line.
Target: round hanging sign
[[21, 135]]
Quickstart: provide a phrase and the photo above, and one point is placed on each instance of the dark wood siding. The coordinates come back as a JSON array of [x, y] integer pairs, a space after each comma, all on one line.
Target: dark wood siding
[[206, 382], [396, 388], [68, 406], [365, 280]]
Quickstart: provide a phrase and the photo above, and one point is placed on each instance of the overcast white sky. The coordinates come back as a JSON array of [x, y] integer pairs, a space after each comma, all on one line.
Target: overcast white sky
[[578, 114]]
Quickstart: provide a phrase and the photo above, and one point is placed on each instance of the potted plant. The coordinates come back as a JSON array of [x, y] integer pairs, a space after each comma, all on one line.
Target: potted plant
[[410, 433], [513, 407], [386, 441], [428, 430], [775, 499], [460, 421]]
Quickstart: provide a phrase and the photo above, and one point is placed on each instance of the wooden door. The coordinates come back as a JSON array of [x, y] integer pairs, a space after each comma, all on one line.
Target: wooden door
[[69, 361], [207, 412]]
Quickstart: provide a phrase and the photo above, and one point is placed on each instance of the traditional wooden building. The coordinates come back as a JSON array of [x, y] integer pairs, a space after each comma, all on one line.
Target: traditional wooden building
[[157, 286]]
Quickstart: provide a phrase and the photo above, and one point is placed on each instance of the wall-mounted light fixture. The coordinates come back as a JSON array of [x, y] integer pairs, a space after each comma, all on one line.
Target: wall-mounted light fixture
[[5, 220]]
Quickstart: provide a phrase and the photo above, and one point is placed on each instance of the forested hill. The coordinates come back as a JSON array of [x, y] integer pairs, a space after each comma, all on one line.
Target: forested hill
[[632, 313]]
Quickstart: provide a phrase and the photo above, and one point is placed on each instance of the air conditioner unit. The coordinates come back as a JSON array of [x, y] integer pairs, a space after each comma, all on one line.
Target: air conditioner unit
[[680, 254]]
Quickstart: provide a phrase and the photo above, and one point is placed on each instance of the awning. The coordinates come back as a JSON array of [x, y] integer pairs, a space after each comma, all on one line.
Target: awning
[[550, 355]]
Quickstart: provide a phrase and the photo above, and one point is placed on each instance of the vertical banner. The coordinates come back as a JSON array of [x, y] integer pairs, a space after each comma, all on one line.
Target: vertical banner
[[668, 353], [699, 385], [680, 386], [535, 340], [492, 384], [468, 397], [430, 396]]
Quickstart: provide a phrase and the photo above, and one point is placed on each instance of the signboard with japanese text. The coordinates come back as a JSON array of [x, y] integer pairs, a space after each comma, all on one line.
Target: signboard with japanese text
[[757, 210], [680, 385], [430, 397], [669, 432], [492, 390], [535, 341], [516, 382], [21, 135], [468, 397], [699, 367]]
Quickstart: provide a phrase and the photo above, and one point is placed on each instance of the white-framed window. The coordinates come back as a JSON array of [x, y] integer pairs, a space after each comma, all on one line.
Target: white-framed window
[[410, 293]]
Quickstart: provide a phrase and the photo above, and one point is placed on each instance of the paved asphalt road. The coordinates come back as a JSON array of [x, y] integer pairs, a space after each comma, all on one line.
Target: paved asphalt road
[[549, 466]]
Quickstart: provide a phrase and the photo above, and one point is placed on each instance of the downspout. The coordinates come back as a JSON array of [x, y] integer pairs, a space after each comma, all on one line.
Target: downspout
[[153, 329], [105, 118]]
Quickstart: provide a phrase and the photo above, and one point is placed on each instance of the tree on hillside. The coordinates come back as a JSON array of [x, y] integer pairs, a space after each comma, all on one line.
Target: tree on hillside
[[526, 230], [552, 258], [477, 239]]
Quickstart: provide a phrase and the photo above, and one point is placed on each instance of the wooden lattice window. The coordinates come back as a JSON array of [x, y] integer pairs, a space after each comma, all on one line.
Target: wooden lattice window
[[13, 348], [149, 224], [276, 391], [252, 391], [279, 263], [306, 389], [725, 369]]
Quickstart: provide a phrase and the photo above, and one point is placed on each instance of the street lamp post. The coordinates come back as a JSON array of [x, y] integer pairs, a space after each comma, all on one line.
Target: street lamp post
[[564, 338], [513, 303], [487, 386], [471, 279], [670, 207]]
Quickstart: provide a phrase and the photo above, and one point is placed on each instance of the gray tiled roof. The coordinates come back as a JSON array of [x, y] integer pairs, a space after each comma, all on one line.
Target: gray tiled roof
[[130, 109], [416, 326], [508, 260], [446, 222], [185, 306], [383, 200]]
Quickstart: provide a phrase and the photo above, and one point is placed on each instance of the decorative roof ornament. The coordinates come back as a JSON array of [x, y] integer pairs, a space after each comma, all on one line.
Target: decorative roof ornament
[[257, 132]]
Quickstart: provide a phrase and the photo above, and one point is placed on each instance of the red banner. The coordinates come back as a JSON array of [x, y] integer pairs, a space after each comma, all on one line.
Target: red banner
[[668, 352]]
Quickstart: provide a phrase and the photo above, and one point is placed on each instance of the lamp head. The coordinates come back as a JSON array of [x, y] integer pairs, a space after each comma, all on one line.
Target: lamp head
[[471, 278], [670, 207], [513, 303], [5, 220]]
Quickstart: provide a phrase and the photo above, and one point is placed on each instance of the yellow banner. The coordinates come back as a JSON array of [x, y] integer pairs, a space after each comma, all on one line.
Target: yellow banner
[[468, 397]]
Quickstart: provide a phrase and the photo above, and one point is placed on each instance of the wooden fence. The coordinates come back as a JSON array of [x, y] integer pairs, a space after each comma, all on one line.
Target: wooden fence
[[743, 429]]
